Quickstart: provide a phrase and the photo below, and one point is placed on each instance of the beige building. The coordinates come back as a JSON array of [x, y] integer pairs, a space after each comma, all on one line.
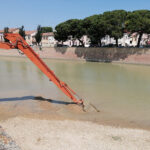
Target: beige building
[[70, 42], [30, 37], [128, 40], [11, 30], [48, 40]]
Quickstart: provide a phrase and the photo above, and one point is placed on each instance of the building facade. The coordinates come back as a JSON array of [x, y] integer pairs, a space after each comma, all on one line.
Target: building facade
[[30, 37], [48, 40], [11, 30], [71, 42], [128, 40]]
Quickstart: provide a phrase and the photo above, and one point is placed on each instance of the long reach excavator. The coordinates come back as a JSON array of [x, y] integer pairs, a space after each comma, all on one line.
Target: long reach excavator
[[17, 42]]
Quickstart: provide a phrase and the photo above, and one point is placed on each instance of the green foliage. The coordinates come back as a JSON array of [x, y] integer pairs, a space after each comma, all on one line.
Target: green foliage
[[6, 30], [22, 32], [73, 27], [96, 28], [38, 36], [80, 29], [113, 23], [138, 21], [116, 23], [61, 33], [76, 29], [47, 29]]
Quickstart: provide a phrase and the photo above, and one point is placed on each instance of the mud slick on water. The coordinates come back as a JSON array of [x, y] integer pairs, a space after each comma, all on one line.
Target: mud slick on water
[[86, 106]]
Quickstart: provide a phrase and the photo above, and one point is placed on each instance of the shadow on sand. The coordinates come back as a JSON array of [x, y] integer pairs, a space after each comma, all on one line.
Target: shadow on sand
[[39, 98]]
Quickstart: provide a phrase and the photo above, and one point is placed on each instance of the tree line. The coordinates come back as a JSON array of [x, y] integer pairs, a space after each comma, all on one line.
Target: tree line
[[113, 23]]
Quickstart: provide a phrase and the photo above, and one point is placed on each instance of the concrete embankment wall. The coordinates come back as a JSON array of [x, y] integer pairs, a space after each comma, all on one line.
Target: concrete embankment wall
[[121, 55]]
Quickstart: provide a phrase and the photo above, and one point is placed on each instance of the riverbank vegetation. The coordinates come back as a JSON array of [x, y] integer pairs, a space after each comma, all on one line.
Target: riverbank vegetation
[[113, 23]]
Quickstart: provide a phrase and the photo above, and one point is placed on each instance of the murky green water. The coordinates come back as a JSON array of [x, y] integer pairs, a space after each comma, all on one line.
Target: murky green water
[[119, 90]]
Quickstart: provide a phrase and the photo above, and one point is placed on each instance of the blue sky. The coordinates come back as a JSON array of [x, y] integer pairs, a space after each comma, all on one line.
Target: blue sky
[[30, 13]]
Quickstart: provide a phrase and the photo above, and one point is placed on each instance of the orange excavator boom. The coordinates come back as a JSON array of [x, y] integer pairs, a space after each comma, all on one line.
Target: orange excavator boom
[[16, 41]]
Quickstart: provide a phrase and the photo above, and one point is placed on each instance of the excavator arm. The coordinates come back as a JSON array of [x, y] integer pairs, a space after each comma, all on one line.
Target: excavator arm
[[17, 42]]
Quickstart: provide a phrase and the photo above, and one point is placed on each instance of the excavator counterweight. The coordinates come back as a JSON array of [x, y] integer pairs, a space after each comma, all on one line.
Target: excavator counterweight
[[17, 42]]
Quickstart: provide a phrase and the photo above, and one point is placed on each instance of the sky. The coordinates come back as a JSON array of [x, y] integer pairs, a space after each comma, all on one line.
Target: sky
[[30, 13]]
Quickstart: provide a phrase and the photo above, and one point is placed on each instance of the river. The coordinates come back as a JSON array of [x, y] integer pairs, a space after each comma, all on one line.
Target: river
[[120, 90]]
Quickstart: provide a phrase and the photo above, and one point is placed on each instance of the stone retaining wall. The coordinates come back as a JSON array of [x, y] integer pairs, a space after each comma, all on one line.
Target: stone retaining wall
[[121, 55]]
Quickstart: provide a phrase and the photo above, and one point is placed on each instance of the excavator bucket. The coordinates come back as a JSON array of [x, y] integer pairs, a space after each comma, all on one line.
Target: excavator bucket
[[17, 42]]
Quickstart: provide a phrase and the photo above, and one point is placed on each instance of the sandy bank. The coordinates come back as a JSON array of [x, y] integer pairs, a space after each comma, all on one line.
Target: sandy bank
[[34, 134]]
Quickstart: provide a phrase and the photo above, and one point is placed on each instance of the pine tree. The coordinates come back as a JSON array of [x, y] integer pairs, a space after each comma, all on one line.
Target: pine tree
[[22, 32], [38, 36], [6, 30]]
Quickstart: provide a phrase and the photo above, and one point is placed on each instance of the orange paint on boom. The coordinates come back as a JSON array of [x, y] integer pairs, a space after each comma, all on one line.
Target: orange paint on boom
[[16, 41]]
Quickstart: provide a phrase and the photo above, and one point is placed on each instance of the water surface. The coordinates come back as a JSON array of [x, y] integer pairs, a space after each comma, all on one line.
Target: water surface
[[121, 91]]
